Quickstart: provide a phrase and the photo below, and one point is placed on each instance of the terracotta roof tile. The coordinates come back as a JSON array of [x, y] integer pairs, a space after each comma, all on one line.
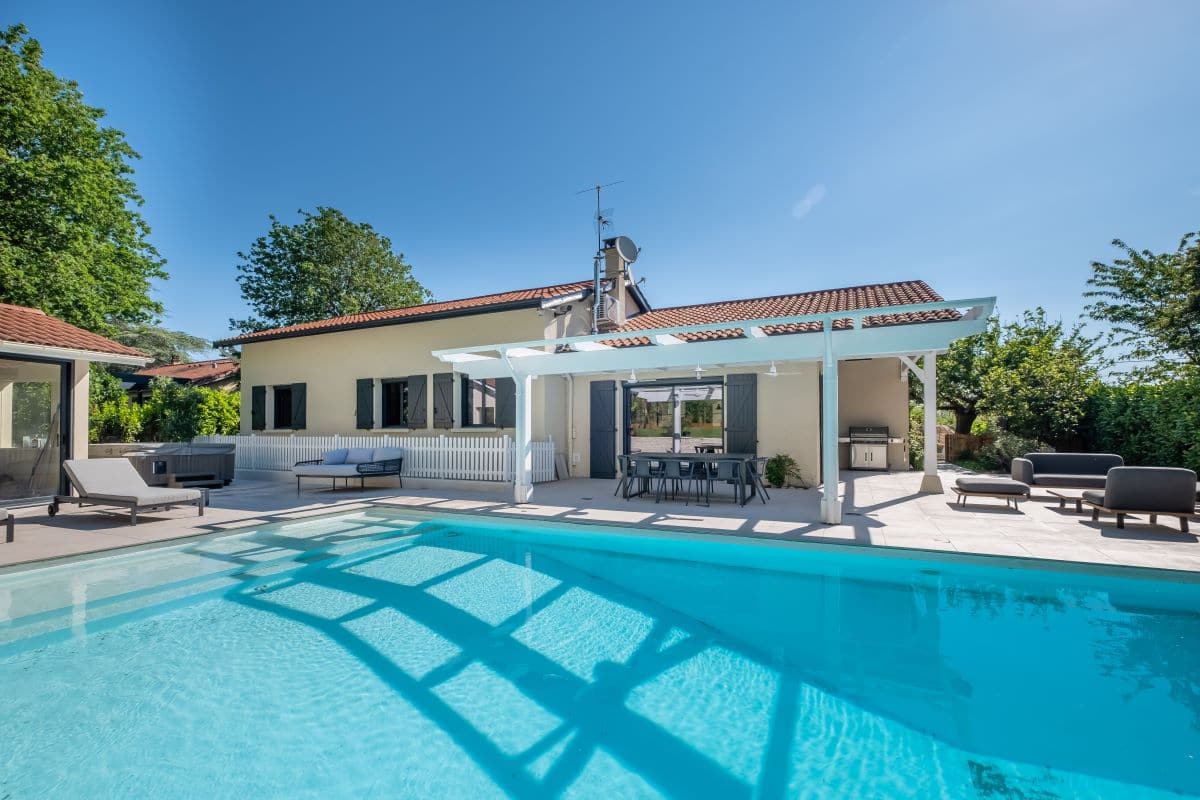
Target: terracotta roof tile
[[194, 371], [412, 313], [851, 298], [23, 325]]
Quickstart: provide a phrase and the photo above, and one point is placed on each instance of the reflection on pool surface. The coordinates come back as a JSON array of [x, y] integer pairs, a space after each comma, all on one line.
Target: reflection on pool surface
[[382, 655]]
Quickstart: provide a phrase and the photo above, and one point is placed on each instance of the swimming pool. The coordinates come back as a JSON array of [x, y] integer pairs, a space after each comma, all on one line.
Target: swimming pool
[[384, 654]]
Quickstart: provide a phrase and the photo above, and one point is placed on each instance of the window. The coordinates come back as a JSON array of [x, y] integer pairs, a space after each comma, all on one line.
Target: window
[[479, 402], [283, 406], [395, 403]]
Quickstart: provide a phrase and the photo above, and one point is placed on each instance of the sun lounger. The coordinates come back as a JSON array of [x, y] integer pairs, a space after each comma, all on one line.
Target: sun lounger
[[115, 482]]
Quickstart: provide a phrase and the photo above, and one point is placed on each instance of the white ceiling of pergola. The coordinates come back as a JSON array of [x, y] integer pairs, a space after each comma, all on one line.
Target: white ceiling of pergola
[[582, 355]]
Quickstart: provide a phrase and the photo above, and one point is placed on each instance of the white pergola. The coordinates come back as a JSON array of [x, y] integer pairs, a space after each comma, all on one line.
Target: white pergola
[[830, 337]]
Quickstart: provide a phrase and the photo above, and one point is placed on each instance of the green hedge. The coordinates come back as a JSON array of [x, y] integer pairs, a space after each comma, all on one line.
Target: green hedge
[[1149, 423]]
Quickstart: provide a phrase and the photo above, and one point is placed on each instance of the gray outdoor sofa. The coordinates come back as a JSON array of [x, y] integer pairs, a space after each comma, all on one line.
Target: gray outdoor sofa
[[1156, 491], [1065, 470], [352, 462]]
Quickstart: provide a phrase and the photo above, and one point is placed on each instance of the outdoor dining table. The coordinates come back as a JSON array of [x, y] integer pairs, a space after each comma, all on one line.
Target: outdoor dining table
[[744, 467]]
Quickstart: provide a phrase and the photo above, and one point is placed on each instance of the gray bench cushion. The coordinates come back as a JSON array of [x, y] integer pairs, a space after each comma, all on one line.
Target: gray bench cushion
[[1064, 480], [987, 485], [326, 470], [1093, 496]]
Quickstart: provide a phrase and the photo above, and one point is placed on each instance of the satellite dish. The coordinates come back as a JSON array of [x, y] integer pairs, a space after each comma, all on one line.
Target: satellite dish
[[626, 249]]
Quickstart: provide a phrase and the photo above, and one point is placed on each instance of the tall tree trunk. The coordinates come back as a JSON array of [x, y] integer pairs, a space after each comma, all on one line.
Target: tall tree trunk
[[964, 419]]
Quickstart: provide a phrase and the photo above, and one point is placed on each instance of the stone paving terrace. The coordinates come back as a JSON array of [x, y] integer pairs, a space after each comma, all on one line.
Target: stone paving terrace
[[883, 510]]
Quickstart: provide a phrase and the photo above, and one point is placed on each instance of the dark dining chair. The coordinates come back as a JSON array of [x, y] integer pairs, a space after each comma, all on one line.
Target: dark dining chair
[[644, 472], [757, 467], [726, 470], [678, 473]]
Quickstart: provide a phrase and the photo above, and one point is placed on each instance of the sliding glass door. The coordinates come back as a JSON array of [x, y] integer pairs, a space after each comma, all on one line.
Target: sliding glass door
[[675, 417], [31, 427]]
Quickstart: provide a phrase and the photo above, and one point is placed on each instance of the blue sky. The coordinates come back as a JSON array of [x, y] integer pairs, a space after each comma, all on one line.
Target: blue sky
[[988, 148]]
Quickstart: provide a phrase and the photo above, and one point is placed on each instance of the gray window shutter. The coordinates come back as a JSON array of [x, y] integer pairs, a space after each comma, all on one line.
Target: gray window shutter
[[364, 408], [418, 404], [258, 408], [299, 406], [602, 408], [741, 413], [443, 400], [506, 403]]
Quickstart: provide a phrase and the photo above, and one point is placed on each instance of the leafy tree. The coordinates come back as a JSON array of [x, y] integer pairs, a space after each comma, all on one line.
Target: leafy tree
[[1152, 300], [72, 242], [112, 416], [175, 412], [1040, 378], [165, 346], [324, 266], [960, 374]]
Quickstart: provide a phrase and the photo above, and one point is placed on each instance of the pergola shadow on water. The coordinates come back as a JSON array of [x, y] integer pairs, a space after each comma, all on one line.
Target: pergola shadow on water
[[826, 338]]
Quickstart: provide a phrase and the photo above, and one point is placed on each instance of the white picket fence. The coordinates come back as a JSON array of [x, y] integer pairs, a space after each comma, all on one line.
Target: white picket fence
[[472, 458]]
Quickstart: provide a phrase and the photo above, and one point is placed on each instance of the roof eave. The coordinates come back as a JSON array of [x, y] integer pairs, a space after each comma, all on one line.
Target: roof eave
[[71, 354], [514, 305]]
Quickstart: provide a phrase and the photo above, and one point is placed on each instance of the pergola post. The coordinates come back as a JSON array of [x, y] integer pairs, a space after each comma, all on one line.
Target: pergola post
[[523, 466], [831, 507], [930, 482]]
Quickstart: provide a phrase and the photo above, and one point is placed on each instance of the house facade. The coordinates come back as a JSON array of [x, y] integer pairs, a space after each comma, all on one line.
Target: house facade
[[376, 373]]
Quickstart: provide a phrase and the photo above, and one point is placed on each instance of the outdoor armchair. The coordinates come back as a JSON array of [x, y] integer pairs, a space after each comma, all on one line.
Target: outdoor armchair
[[1166, 491]]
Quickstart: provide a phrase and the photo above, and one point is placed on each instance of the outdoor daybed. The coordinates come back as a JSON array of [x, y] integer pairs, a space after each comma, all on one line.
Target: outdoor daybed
[[1066, 470], [1165, 491], [115, 482], [353, 462]]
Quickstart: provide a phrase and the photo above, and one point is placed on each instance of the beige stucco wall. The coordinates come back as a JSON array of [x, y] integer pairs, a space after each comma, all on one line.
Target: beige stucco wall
[[331, 363], [81, 373], [873, 392]]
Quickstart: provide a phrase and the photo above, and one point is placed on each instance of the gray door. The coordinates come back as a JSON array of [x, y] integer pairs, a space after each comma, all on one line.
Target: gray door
[[603, 414], [741, 413]]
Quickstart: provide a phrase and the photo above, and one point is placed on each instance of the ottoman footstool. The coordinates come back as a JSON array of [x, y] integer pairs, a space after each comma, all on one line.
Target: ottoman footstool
[[1007, 489]]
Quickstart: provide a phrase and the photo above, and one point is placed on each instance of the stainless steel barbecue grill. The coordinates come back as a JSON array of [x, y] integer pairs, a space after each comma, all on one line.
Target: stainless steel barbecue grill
[[868, 447]]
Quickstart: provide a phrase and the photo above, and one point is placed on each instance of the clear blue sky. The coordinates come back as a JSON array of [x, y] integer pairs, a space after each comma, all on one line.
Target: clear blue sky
[[987, 147]]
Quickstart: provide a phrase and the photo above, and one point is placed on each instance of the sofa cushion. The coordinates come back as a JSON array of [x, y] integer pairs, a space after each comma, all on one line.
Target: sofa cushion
[[1093, 496], [326, 470], [1069, 481], [989, 485], [388, 453], [360, 455], [1074, 463], [335, 456]]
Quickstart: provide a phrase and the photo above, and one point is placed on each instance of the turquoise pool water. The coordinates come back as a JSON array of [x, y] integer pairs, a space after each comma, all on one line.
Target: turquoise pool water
[[383, 655]]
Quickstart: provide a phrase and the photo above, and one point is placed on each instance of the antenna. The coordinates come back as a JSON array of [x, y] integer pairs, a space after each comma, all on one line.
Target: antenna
[[603, 220]]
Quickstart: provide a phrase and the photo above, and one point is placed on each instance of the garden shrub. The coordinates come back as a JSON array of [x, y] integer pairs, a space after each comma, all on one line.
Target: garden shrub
[[1000, 453], [781, 470]]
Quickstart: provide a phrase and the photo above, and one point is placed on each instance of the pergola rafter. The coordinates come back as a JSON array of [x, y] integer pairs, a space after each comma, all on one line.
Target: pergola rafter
[[905, 331]]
